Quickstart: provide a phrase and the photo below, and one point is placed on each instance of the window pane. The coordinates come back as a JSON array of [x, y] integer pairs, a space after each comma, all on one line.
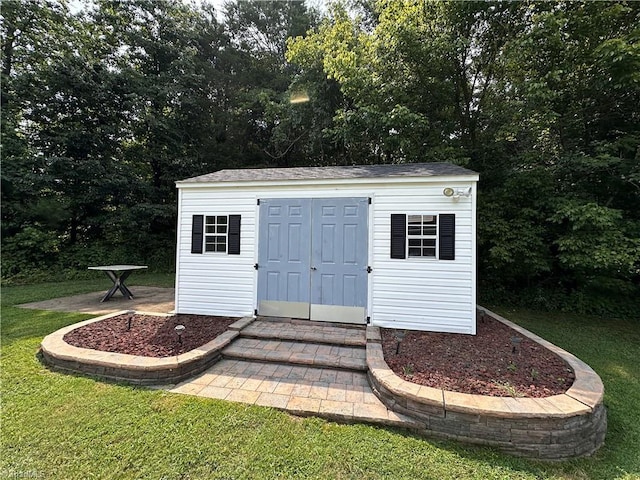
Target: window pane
[[211, 229], [210, 220], [222, 229], [221, 247], [222, 220], [422, 231], [209, 247]]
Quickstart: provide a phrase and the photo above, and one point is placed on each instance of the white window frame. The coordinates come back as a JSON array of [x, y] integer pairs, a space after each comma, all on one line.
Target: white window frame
[[216, 229], [422, 236]]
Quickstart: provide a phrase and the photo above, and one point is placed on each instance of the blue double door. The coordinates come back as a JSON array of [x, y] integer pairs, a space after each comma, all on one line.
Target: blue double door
[[312, 258]]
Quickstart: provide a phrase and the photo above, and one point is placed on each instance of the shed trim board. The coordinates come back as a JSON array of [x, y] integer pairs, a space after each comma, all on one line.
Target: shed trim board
[[415, 292]]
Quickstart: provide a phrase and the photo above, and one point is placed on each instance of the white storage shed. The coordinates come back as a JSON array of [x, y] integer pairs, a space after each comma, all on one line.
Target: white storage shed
[[389, 245]]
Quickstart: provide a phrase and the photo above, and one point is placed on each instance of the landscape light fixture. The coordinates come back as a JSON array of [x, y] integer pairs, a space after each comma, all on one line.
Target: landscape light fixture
[[130, 314], [399, 334], [515, 341], [180, 330]]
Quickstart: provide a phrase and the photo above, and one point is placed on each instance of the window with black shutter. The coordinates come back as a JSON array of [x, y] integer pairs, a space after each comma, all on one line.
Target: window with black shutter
[[423, 236], [216, 233]]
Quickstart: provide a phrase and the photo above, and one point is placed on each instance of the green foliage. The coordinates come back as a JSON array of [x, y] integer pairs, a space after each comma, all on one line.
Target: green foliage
[[29, 246], [103, 110], [540, 98], [594, 240]]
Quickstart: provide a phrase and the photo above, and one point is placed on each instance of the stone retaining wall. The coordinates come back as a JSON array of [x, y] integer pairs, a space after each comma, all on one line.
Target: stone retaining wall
[[554, 428], [132, 368]]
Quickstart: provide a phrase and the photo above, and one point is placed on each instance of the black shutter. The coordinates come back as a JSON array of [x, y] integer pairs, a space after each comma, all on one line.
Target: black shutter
[[398, 235], [197, 228], [447, 236], [234, 235]]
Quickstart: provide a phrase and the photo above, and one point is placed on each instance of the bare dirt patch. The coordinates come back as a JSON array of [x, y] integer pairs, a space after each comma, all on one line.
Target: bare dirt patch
[[484, 364], [147, 335]]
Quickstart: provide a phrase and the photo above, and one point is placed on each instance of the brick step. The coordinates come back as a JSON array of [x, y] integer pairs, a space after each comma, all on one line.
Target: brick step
[[309, 332], [298, 353]]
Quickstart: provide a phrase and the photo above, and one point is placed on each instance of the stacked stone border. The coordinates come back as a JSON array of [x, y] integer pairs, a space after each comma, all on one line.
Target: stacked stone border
[[559, 427], [134, 369]]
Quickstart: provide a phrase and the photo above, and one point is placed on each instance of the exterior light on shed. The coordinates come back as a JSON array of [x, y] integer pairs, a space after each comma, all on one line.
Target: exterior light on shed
[[464, 192], [456, 194]]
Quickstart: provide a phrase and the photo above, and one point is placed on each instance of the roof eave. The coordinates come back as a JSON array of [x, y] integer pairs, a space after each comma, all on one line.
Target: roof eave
[[329, 181]]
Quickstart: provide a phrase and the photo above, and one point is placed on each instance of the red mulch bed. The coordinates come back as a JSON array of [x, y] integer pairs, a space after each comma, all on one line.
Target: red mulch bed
[[483, 364], [149, 336]]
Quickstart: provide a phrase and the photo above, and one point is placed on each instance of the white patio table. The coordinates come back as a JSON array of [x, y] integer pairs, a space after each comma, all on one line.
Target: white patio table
[[118, 274]]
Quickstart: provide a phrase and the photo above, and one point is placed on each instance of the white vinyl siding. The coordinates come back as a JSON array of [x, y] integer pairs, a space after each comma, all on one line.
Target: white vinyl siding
[[435, 295], [212, 283]]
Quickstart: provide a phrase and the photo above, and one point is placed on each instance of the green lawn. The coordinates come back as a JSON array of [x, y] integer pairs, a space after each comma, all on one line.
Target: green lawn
[[67, 427]]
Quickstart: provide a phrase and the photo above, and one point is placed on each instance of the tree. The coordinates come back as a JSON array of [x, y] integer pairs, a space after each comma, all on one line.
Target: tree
[[57, 131], [540, 98], [577, 69], [104, 110], [267, 124]]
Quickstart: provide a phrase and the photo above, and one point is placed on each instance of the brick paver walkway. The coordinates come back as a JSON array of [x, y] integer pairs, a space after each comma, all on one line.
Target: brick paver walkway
[[318, 370]]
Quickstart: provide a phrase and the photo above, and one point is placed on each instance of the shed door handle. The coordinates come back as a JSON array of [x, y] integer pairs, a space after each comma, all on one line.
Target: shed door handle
[[313, 268]]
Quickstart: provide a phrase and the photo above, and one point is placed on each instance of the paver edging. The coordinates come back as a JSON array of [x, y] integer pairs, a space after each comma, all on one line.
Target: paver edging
[[559, 427], [587, 387], [134, 369]]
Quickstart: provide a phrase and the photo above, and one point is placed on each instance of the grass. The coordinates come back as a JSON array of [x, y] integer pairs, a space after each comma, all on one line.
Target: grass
[[72, 427]]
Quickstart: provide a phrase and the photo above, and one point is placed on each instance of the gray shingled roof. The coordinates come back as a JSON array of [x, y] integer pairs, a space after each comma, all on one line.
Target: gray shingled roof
[[324, 173]]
